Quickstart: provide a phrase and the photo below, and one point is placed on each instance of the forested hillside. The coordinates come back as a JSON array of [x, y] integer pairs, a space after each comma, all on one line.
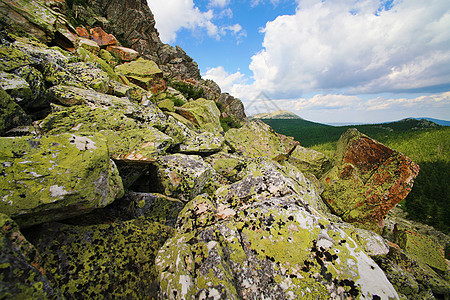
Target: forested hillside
[[424, 142]]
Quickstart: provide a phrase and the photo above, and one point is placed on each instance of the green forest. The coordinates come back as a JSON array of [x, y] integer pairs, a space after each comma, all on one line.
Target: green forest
[[426, 143]]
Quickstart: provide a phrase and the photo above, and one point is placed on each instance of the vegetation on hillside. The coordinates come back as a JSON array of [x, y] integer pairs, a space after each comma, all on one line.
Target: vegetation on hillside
[[424, 142]]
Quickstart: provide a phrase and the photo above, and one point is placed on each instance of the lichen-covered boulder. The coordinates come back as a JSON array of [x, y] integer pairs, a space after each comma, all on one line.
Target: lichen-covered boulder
[[232, 107], [17, 87], [38, 104], [266, 244], [203, 113], [255, 139], [144, 73], [91, 76], [89, 45], [228, 165], [138, 145], [367, 180], [12, 58], [55, 177], [411, 277], [39, 21], [22, 275], [309, 161], [423, 248], [183, 176], [11, 114], [113, 260], [125, 54]]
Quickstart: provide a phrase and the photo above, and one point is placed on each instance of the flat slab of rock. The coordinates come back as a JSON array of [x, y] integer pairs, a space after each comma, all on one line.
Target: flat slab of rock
[[144, 73], [203, 113], [102, 38], [367, 180], [125, 54], [55, 177]]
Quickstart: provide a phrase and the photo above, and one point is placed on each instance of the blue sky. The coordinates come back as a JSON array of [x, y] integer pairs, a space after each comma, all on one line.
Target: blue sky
[[327, 61]]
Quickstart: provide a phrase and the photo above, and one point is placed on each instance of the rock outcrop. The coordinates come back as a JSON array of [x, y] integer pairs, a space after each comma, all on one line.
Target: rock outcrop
[[367, 180], [123, 174]]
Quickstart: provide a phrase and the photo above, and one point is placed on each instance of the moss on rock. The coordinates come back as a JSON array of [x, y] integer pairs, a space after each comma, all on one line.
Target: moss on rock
[[11, 114]]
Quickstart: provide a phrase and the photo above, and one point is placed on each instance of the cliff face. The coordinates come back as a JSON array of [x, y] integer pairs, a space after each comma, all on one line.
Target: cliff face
[[123, 174]]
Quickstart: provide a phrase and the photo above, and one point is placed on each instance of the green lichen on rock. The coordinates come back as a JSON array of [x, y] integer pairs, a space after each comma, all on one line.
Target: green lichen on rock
[[11, 114], [203, 113], [17, 87], [103, 261], [255, 139], [309, 161], [87, 56], [144, 73], [422, 248], [367, 180], [91, 76], [183, 176], [22, 275], [12, 58], [37, 185]]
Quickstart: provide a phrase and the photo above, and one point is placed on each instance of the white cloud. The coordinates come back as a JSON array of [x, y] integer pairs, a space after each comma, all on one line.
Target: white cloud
[[355, 47], [219, 3], [328, 101], [441, 101], [225, 80]]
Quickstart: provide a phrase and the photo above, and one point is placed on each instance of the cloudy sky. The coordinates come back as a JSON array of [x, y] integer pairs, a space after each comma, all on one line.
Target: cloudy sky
[[326, 60]]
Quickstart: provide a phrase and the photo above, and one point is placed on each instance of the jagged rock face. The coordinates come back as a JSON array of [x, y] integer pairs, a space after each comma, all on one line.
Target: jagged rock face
[[367, 180], [233, 107]]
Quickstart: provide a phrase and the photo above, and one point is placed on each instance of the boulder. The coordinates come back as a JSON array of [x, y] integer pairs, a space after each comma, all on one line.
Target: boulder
[[367, 180], [309, 161], [144, 73], [102, 38], [183, 176], [22, 273], [255, 139], [114, 260], [91, 76], [203, 113], [88, 56], [89, 45], [124, 53], [12, 58], [17, 87], [11, 114], [231, 107], [422, 248], [82, 32], [39, 21], [37, 185], [228, 165], [271, 247], [38, 104]]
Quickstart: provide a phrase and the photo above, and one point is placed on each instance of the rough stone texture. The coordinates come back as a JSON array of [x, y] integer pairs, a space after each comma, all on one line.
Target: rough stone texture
[[309, 161], [144, 73], [183, 176], [103, 261], [17, 87], [125, 54], [11, 114], [21, 273], [228, 165], [268, 244], [255, 139], [232, 107], [91, 76], [38, 21], [102, 38], [176, 63], [203, 113], [422, 248], [36, 186], [82, 32], [411, 277], [89, 45], [367, 180]]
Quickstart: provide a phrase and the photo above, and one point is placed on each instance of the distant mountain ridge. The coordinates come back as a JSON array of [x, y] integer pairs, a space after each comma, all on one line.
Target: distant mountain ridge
[[279, 114]]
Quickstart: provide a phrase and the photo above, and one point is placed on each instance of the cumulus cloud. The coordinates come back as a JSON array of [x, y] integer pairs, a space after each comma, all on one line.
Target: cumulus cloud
[[328, 101], [219, 3], [356, 47], [441, 101], [225, 80], [172, 15]]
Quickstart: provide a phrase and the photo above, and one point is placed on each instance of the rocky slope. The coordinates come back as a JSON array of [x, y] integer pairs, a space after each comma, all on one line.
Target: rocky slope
[[120, 177]]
